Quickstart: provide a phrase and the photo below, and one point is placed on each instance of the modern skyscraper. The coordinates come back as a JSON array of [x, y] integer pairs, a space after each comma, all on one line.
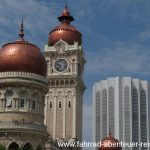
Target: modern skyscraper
[[65, 61], [122, 104]]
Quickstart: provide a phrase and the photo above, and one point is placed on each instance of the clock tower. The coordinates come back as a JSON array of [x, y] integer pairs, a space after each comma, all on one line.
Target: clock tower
[[65, 61]]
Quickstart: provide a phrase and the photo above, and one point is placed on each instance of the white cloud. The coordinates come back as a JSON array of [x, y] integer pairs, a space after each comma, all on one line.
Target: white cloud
[[39, 19], [145, 35], [120, 6], [41, 16], [119, 58], [113, 60]]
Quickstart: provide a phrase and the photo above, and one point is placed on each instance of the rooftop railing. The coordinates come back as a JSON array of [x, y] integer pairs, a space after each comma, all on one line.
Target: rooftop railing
[[22, 125]]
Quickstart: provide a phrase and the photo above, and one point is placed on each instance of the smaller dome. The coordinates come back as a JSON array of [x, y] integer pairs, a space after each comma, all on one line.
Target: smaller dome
[[22, 56], [109, 143], [65, 31], [66, 12]]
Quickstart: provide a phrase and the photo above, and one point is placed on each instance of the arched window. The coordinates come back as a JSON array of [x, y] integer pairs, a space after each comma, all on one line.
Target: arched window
[[73, 65], [39, 147], [69, 104], [23, 95], [13, 146], [59, 104], [9, 98], [48, 66], [22, 102], [33, 104], [50, 104], [28, 146], [35, 101]]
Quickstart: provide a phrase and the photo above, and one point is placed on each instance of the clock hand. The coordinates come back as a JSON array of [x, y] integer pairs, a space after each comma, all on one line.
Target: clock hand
[[58, 65]]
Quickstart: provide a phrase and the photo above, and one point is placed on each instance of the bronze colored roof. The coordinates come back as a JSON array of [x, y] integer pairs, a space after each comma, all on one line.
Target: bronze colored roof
[[22, 56], [107, 142], [65, 31]]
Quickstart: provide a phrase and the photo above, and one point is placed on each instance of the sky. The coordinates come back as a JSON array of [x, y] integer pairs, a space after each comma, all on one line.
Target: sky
[[116, 36]]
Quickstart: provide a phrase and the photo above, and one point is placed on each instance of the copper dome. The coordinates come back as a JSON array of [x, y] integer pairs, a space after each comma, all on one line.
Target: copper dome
[[22, 56], [109, 143], [65, 31]]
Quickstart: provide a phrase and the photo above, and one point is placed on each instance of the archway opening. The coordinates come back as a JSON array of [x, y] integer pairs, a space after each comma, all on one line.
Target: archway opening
[[13, 146], [39, 147], [28, 146]]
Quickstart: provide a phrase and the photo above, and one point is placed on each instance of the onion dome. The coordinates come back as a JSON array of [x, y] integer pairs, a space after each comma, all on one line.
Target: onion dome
[[65, 31], [109, 143], [22, 56]]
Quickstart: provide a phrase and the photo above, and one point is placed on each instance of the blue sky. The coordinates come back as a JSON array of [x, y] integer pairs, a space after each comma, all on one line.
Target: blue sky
[[116, 36]]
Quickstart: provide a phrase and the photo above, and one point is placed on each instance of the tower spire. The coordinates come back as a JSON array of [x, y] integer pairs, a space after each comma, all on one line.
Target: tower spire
[[65, 16], [21, 33], [66, 4]]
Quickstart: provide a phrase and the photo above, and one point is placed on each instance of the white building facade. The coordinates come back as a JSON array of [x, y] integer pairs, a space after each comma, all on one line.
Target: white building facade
[[122, 104], [65, 69]]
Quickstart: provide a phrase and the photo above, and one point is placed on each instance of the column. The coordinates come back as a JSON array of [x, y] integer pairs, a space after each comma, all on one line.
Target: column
[[64, 117], [1, 103], [45, 110], [71, 67], [54, 119], [13, 103], [17, 103], [28, 106], [81, 114], [74, 118], [16, 100], [50, 68], [76, 68]]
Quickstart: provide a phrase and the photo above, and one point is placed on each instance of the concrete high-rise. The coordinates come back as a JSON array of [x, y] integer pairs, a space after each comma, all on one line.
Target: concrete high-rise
[[122, 104]]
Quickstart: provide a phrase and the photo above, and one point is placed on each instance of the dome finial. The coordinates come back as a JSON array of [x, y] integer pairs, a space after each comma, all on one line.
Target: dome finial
[[65, 16], [66, 4], [21, 33]]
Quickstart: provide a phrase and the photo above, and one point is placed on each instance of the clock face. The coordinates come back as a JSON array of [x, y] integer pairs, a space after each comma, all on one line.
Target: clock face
[[61, 65]]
